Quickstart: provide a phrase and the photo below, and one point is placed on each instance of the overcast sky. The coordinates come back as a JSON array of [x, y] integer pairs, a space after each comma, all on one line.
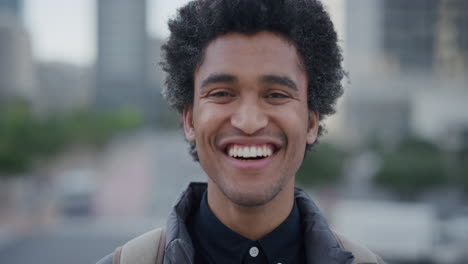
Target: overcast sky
[[64, 30]]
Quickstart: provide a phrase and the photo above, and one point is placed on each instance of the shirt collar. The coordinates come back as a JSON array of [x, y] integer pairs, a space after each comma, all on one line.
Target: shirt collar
[[284, 244], [224, 245]]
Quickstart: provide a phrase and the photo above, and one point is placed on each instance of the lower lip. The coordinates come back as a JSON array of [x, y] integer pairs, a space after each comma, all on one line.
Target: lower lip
[[250, 164]]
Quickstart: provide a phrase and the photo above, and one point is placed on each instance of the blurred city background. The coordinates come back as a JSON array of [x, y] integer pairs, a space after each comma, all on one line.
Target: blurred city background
[[91, 156]]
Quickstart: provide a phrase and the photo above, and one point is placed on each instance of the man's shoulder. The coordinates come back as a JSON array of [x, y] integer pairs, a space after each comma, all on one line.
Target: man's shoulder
[[360, 252], [106, 260], [147, 248]]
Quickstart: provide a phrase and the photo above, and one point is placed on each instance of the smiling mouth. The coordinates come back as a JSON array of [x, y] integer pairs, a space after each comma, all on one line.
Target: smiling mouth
[[250, 152]]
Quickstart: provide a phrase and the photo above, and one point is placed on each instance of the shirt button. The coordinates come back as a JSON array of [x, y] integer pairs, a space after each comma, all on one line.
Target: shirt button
[[253, 252]]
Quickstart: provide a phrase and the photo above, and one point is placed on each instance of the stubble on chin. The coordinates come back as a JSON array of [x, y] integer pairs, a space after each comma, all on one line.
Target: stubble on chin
[[254, 198]]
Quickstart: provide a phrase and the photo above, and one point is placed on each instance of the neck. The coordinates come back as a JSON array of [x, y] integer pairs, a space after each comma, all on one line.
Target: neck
[[251, 222]]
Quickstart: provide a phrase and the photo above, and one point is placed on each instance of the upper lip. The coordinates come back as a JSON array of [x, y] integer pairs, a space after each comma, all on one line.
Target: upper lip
[[249, 141]]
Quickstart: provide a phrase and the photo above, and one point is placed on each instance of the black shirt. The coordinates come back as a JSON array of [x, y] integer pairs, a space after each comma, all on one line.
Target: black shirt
[[216, 243]]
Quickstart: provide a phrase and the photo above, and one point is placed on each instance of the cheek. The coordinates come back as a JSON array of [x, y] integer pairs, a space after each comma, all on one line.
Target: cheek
[[207, 121], [296, 121], [295, 127], [207, 116]]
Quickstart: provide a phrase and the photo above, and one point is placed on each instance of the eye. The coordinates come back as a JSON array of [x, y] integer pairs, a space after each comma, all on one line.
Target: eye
[[220, 94], [277, 96]]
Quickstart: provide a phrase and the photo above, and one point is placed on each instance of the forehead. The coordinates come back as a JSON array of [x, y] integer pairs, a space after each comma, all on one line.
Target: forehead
[[251, 55]]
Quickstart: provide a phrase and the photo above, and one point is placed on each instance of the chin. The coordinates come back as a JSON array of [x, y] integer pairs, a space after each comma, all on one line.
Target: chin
[[250, 200], [253, 196]]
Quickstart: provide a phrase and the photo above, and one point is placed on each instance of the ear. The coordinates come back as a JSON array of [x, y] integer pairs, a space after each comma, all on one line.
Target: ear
[[312, 130], [189, 129]]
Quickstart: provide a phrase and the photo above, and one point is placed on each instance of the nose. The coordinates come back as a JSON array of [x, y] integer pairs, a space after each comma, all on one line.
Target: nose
[[249, 118]]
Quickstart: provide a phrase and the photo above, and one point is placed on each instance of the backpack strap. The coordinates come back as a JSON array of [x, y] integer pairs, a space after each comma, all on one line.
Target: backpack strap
[[362, 255], [145, 249]]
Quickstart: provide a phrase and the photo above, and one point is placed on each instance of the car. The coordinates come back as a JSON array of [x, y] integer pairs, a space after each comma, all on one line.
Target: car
[[76, 189]]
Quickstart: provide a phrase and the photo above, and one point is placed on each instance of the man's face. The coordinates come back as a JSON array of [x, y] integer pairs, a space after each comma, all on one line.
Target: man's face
[[249, 117]]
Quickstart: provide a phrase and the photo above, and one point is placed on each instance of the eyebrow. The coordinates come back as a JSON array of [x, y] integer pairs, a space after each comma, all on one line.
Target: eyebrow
[[266, 79], [219, 78], [280, 80]]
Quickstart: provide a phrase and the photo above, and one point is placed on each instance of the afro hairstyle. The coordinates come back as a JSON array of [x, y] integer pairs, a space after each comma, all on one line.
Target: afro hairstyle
[[304, 23]]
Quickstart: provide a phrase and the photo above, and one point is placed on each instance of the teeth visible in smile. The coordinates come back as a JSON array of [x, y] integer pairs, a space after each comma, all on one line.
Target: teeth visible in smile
[[250, 151]]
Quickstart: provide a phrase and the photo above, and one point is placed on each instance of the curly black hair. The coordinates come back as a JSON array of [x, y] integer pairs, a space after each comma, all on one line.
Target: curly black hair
[[304, 23]]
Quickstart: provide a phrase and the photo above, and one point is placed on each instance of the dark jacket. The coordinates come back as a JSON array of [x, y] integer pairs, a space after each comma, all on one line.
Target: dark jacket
[[320, 244]]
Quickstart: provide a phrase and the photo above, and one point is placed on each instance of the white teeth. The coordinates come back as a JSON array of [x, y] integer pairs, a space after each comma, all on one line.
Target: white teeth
[[260, 152], [235, 152], [250, 152], [253, 152], [245, 152]]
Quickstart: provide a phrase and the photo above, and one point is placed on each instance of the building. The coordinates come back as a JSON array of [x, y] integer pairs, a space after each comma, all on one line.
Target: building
[[426, 35], [17, 75], [451, 44], [376, 99], [12, 7], [409, 33], [63, 87], [428, 39], [121, 67], [402, 56]]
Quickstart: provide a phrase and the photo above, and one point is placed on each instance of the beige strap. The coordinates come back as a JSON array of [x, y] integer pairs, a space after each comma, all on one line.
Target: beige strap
[[161, 248], [116, 256], [145, 249], [362, 255]]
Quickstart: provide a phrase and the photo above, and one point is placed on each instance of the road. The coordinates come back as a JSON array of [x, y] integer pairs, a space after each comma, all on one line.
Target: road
[[84, 241], [143, 176], [148, 172], [174, 168]]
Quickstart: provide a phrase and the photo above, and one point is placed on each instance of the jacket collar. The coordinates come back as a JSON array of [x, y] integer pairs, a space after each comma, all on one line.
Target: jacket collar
[[320, 244]]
